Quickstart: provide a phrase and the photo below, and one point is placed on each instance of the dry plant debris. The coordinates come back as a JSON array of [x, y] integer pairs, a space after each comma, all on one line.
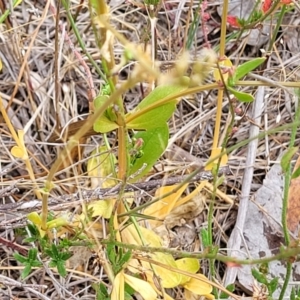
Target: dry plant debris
[[47, 84]]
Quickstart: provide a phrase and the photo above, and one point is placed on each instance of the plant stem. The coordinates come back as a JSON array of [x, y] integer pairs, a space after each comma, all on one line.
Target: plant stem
[[278, 24], [284, 254], [80, 41], [73, 141], [287, 182]]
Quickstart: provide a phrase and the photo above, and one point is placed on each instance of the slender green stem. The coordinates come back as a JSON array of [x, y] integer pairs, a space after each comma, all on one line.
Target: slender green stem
[[287, 182], [73, 141], [80, 41], [194, 26], [286, 280], [278, 24], [284, 254]]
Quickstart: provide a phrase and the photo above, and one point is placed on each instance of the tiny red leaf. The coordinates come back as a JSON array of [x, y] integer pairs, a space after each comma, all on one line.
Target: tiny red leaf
[[233, 21], [266, 5]]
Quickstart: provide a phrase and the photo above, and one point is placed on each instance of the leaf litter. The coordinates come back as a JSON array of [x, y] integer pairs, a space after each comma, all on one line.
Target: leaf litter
[[36, 94]]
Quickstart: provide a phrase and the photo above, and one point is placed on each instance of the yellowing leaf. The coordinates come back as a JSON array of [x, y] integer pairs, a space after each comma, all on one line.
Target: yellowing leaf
[[215, 152], [142, 287], [99, 167], [35, 218], [224, 63], [17, 152], [191, 265], [16, 3], [199, 285], [118, 287], [131, 235], [162, 207], [99, 208], [168, 278], [57, 223], [192, 195]]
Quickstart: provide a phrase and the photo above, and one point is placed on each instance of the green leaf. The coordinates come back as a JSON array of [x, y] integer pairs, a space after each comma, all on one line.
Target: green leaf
[[293, 295], [65, 256], [104, 123], [248, 66], [287, 157], [204, 237], [272, 286], [261, 278], [61, 268], [155, 116], [242, 97], [20, 258], [155, 143], [32, 253], [111, 251], [125, 258], [296, 173], [26, 271], [229, 288], [55, 253]]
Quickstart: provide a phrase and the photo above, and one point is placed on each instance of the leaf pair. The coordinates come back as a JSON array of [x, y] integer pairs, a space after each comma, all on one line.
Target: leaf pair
[[231, 76], [150, 118]]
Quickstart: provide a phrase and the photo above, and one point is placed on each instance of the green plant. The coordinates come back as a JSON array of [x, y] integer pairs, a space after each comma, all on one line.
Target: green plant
[[142, 136], [261, 275], [58, 259], [29, 262]]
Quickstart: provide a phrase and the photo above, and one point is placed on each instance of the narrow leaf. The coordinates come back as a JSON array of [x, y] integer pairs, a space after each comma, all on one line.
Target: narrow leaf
[[242, 97], [248, 66], [296, 173], [142, 287], [287, 157]]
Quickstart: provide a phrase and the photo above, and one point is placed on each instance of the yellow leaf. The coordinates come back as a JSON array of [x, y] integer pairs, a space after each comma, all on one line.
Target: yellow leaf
[[199, 285], [17, 152], [118, 287], [191, 265], [100, 167], [162, 207], [224, 63], [1, 66], [99, 208], [130, 235], [192, 195], [168, 278], [142, 287], [35, 218], [57, 223], [215, 152]]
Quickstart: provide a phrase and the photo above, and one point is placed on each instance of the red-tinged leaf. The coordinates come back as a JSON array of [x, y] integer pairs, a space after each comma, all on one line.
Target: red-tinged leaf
[[266, 5], [286, 2], [233, 21]]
